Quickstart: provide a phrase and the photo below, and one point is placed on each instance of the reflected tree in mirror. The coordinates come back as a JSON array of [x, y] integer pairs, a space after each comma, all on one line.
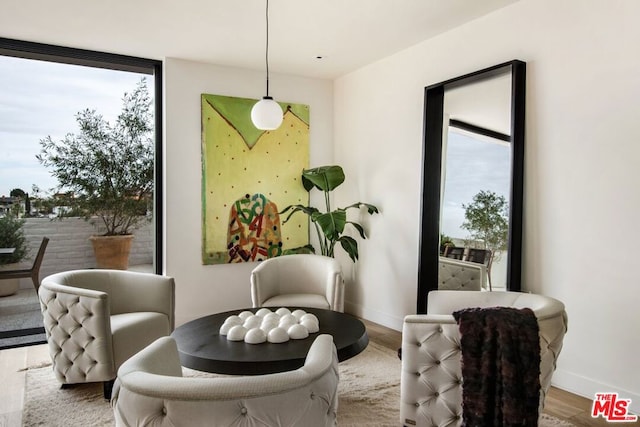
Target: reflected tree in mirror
[[487, 219]]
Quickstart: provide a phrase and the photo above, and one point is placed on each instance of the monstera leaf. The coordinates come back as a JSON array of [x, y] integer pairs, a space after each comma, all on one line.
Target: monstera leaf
[[329, 225], [324, 178]]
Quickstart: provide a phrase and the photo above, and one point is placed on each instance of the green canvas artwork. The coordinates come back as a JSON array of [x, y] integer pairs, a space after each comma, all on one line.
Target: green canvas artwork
[[248, 175]]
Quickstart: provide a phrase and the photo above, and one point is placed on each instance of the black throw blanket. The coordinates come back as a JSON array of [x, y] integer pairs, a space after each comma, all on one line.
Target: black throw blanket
[[500, 367]]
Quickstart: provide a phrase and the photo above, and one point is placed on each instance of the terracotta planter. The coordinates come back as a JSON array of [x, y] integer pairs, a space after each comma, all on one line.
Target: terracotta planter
[[112, 252], [9, 287]]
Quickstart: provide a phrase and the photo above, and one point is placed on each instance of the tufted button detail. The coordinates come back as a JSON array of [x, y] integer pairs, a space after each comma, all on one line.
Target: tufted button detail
[[312, 396], [437, 362], [436, 394], [417, 405], [440, 329], [243, 411], [417, 374], [164, 410], [419, 344]]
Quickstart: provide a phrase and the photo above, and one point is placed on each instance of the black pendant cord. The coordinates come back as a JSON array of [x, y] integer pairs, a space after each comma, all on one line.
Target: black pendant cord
[[267, 47]]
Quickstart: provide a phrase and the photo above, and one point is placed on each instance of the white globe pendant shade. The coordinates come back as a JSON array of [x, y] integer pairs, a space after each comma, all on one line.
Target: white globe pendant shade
[[266, 114]]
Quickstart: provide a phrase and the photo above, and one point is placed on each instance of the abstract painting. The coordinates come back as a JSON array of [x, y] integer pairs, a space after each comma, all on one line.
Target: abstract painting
[[248, 176]]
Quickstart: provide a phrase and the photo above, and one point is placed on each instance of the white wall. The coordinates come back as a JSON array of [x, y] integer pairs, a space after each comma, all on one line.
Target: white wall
[[202, 290], [581, 177]]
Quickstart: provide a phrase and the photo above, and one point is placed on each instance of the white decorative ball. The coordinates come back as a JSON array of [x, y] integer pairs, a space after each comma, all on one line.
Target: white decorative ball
[[245, 314], [237, 333], [311, 326], [282, 311], [267, 326], [286, 322], [255, 336], [288, 318], [252, 322], [310, 316], [297, 332], [234, 320], [263, 312], [224, 329], [272, 316], [277, 336], [299, 313]]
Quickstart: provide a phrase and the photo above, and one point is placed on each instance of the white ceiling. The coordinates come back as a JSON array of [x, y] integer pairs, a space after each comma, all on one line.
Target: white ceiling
[[346, 33]]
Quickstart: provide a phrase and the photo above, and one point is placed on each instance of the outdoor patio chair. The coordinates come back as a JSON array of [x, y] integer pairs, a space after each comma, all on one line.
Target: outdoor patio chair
[[33, 272]]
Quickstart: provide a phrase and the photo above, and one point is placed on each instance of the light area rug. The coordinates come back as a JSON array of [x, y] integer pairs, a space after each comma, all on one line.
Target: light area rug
[[369, 395]]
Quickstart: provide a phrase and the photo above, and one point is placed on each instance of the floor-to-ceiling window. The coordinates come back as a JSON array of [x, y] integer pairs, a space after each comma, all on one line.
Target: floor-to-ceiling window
[[43, 90]]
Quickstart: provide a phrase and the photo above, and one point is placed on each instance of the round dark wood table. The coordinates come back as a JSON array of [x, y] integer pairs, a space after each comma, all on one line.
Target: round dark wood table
[[201, 347]]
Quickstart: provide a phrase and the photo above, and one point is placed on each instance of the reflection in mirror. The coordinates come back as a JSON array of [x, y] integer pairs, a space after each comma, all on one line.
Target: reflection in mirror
[[472, 182], [476, 178]]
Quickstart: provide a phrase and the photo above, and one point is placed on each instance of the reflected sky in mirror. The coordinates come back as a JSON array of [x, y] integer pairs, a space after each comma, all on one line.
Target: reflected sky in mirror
[[473, 163]]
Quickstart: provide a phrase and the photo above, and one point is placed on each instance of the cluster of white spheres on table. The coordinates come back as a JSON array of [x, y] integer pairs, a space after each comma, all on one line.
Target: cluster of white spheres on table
[[273, 326]]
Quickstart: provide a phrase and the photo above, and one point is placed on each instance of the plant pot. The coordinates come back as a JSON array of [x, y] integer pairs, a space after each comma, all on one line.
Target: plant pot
[[112, 252], [9, 287]]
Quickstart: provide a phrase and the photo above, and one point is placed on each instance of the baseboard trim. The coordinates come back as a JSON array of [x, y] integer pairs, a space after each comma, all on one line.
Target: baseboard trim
[[374, 316], [587, 388]]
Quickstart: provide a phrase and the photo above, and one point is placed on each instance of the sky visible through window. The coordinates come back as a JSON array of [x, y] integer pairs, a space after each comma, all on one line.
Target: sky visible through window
[[40, 98]]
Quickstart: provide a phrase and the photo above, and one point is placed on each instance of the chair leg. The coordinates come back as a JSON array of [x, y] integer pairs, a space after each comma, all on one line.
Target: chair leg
[[107, 387], [36, 283]]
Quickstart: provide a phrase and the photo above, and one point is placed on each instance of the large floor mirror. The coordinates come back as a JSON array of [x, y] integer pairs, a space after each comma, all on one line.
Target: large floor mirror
[[473, 181]]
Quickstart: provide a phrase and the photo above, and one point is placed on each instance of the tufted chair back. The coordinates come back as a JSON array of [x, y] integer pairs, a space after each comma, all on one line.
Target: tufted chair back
[[431, 382], [300, 280], [455, 275], [150, 389], [96, 319]]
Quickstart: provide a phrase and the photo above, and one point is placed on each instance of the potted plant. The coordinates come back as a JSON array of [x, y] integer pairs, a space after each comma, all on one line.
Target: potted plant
[[11, 236], [329, 225], [107, 171]]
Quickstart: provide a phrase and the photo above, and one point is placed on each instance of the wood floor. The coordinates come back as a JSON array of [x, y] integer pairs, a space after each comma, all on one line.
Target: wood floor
[[561, 404]]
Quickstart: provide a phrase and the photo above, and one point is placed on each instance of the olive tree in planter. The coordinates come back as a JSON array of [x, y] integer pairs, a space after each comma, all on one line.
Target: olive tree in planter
[[331, 224], [107, 171], [11, 236]]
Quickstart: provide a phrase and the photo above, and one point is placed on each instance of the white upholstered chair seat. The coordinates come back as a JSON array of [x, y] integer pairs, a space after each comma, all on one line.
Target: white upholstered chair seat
[[297, 300], [300, 280], [129, 328], [96, 319], [150, 390], [431, 379]]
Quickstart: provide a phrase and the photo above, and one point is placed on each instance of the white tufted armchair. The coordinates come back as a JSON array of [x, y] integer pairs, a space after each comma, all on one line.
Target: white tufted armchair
[[96, 319], [431, 383], [459, 275], [150, 390], [299, 280]]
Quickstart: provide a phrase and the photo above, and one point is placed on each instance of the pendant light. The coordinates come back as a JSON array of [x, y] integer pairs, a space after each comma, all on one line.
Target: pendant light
[[266, 114]]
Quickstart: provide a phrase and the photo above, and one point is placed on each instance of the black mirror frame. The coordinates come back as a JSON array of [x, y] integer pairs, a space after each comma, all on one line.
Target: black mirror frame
[[432, 172]]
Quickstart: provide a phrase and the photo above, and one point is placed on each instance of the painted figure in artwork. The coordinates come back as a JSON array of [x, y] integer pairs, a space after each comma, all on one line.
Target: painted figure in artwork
[[254, 230]]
